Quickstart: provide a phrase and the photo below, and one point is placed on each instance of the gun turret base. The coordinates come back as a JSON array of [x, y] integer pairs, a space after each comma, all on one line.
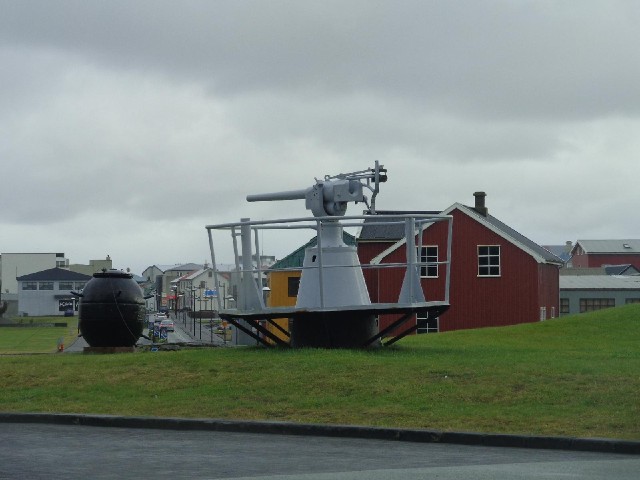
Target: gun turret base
[[339, 327]]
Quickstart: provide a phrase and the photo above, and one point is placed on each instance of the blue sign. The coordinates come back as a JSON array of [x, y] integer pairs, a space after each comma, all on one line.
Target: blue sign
[[211, 293]]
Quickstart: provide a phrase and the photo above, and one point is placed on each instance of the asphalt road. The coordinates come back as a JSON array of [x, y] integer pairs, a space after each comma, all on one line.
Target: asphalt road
[[44, 451]]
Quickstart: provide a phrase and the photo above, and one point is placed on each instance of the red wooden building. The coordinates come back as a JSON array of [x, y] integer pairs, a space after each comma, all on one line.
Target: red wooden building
[[597, 253], [498, 276]]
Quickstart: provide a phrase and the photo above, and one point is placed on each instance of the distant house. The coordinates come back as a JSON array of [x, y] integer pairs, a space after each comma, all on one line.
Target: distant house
[[48, 292], [200, 291], [160, 278], [596, 253], [585, 293], [498, 276]]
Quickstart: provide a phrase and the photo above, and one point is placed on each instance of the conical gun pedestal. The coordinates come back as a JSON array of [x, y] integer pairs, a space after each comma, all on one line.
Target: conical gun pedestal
[[332, 277]]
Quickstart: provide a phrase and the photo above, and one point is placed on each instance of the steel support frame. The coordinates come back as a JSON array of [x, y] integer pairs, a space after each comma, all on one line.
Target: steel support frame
[[394, 325], [256, 324]]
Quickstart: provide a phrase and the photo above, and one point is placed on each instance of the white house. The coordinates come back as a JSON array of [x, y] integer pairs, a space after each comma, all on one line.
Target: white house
[[48, 292]]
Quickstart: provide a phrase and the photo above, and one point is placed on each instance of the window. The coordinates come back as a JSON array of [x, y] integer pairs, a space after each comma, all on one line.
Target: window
[[428, 255], [80, 285], [489, 261], [29, 286], [426, 324], [632, 300], [293, 283], [564, 305], [65, 286], [591, 304], [45, 285]]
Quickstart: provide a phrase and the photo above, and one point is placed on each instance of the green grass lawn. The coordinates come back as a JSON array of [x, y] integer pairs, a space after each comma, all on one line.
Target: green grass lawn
[[34, 339], [576, 376]]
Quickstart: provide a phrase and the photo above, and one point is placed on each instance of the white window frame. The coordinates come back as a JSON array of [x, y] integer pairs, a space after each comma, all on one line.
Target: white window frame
[[427, 330], [487, 269], [429, 266]]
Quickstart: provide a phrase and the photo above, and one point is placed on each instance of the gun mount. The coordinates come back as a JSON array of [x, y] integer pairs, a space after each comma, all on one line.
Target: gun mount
[[333, 307], [329, 197]]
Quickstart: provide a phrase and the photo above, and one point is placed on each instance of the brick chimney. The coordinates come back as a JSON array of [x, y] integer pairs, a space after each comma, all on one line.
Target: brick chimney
[[479, 206]]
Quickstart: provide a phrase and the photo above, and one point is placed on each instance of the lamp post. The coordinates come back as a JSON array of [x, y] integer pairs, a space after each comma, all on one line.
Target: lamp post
[[193, 309], [201, 289], [175, 300]]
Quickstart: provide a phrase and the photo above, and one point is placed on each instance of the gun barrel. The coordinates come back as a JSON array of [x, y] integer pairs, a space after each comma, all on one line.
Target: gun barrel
[[269, 197]]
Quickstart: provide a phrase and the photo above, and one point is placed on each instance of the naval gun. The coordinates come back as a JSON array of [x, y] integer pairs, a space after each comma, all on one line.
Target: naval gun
[[331, 273], [333, 307], [329, 197]]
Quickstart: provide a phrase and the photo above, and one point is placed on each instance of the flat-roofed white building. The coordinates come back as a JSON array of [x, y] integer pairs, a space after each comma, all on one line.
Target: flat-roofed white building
[[585, 293]]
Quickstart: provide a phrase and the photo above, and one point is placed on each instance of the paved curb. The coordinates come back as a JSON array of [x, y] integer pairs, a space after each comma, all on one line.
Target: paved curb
[[344, 431]]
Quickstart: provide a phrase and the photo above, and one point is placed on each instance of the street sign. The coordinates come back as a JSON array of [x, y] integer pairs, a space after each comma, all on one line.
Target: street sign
[[211, 293]]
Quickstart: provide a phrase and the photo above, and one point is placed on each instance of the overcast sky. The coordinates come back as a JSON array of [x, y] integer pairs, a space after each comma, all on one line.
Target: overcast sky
[[127, 126]]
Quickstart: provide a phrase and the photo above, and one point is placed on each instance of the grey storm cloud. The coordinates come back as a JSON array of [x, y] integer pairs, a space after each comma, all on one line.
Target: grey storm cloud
[[493, 58]]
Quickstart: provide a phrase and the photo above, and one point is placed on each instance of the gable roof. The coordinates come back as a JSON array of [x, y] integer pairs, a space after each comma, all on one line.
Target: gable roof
[[186, 267], [296, 258], [53, 274], [608, 246], [162, 268], [540, 254], [372, 230]]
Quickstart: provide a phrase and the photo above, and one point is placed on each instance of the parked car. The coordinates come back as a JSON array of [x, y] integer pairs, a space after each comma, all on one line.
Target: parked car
[[168, 324]]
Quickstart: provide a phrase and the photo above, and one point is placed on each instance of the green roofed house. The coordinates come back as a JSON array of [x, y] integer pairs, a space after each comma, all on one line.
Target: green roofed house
[[48, 292]]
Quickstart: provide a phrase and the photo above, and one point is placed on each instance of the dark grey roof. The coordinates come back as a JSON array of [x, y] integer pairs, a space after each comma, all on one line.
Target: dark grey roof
[[518, 237], [626, 269], [53, 274], [560, 251], [373, 231]]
